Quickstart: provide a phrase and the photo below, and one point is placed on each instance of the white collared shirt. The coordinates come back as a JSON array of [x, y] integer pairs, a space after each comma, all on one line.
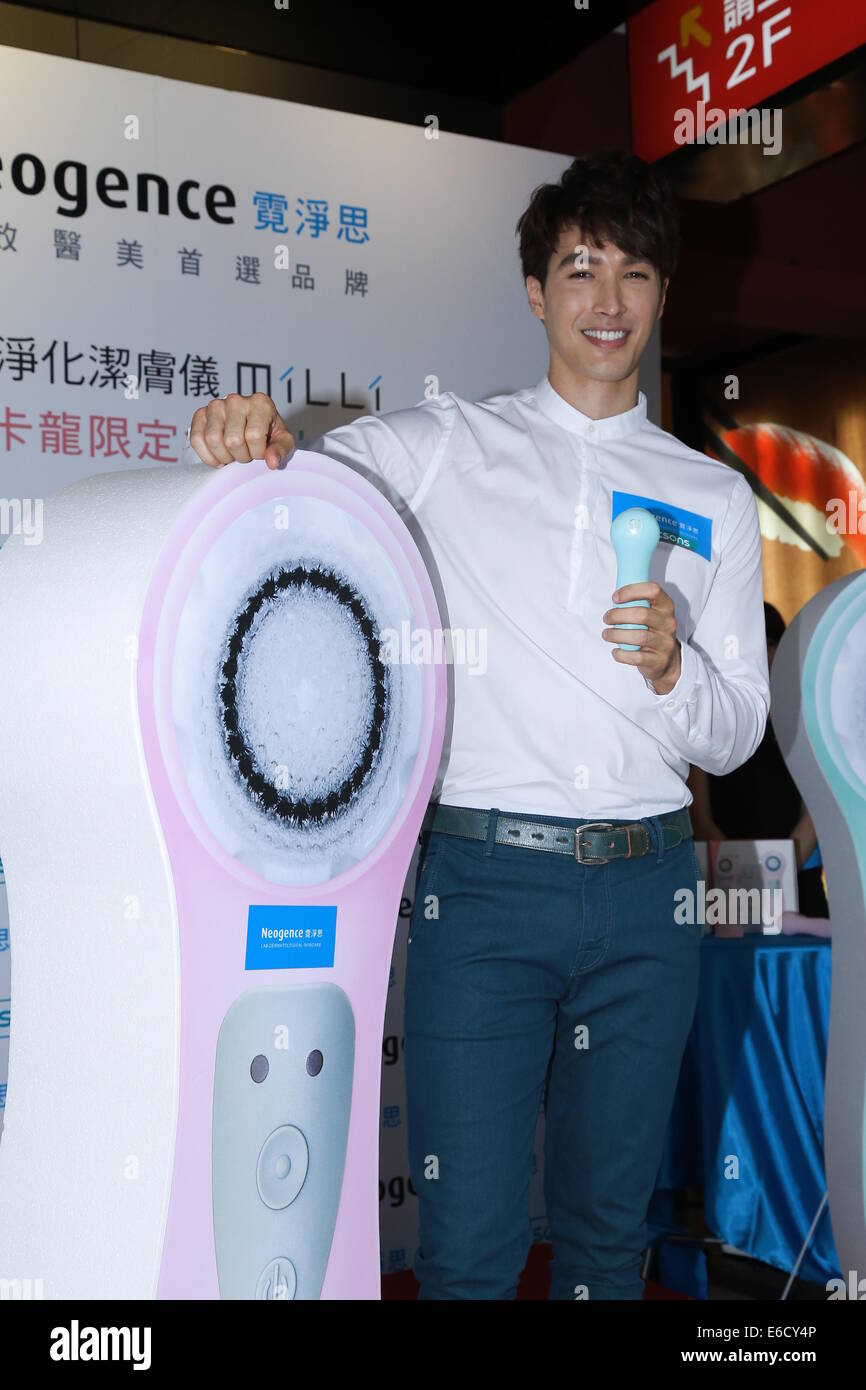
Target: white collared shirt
[[511, 500]]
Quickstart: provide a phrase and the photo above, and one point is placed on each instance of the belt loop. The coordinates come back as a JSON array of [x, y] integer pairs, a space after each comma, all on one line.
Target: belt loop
[[492, 818], [658, 836]]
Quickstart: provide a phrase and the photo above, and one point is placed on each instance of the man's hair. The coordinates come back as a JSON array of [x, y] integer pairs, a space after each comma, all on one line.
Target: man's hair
[[614, 198]]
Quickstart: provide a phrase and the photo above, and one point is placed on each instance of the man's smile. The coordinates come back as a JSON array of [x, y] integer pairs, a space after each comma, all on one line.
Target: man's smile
[[606, 338]]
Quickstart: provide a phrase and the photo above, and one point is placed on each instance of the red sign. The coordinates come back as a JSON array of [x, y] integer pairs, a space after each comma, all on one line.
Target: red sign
[[689, 63]]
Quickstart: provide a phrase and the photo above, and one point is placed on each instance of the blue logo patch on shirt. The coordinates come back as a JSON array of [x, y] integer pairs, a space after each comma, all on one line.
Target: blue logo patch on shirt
[[290, 938], [689, 530]]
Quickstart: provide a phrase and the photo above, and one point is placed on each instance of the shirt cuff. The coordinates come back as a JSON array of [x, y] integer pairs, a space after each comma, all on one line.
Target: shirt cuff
[[686, 681]]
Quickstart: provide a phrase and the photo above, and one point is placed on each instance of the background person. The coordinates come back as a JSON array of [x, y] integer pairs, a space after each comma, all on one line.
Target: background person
[[759, 800]]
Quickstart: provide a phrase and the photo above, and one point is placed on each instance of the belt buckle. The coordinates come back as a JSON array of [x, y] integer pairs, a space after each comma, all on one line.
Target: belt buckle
[[591, 825]]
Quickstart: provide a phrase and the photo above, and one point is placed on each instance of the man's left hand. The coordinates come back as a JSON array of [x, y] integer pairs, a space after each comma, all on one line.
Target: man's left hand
[[658, 657]]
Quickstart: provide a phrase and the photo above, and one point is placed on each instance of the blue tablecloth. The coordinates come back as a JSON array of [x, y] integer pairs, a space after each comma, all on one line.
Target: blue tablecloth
[[748, 1118]]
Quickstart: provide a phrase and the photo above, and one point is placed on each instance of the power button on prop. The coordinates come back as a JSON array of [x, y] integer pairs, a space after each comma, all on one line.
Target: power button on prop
[[277, 1280], [282, 1167]]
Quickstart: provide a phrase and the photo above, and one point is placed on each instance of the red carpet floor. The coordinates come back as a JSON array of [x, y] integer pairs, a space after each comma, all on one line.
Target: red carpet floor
[[534, 1281]]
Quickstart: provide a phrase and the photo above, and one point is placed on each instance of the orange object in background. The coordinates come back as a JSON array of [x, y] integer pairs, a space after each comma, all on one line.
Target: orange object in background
[[818, 483]]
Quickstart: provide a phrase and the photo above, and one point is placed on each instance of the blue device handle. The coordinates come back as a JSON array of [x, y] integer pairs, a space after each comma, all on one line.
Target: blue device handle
[[635, 535]]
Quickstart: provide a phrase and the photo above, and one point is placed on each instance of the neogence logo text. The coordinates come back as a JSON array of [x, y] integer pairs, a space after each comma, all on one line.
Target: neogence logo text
[[76, 1343], [71, 182]]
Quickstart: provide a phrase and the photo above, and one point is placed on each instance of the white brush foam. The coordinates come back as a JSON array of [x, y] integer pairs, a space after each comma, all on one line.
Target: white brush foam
[[310, 657], [305, 690]]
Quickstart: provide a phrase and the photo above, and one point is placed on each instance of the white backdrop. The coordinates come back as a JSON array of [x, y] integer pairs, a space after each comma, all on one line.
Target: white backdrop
[[336, 262]]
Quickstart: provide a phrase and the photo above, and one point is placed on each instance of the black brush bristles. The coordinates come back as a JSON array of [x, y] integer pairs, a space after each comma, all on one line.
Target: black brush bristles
[[272, 799]]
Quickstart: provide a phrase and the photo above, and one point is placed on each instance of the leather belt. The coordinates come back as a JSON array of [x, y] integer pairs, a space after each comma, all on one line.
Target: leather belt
[[594, 842]]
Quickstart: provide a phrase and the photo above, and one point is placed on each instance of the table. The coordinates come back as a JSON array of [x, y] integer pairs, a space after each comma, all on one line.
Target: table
[[748, 1117]]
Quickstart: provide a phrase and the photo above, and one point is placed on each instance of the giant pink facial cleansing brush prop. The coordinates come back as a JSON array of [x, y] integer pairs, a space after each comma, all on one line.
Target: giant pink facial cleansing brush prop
[[290, 768]]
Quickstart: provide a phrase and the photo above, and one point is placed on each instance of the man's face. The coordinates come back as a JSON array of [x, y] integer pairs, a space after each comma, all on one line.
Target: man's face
[[600, 292]]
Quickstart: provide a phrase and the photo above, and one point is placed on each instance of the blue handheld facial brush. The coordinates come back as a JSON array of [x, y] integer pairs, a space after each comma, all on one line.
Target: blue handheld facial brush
[[635, 535]]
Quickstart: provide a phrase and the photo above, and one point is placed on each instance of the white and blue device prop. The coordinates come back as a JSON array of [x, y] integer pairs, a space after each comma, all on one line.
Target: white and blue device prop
[[635, 535], [818, 693]]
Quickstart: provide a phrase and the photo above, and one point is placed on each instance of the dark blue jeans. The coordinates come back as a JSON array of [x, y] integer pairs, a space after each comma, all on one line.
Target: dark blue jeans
[[528, 972]]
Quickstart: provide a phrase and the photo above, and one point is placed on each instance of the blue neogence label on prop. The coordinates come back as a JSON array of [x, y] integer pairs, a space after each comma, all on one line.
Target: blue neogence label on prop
[[290, 938], [689, 530]]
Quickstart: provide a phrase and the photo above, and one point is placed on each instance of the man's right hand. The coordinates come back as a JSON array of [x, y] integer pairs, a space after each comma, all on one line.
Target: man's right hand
[[240, 428]]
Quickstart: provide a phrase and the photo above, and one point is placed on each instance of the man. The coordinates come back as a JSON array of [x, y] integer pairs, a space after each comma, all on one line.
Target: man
[[545, 959]]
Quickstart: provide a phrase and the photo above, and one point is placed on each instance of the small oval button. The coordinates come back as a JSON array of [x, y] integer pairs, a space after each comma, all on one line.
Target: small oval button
[[282, 1167]]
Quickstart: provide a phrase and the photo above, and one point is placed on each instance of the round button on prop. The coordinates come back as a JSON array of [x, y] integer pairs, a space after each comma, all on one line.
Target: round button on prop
[[278, 1280], [282, 1167]]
